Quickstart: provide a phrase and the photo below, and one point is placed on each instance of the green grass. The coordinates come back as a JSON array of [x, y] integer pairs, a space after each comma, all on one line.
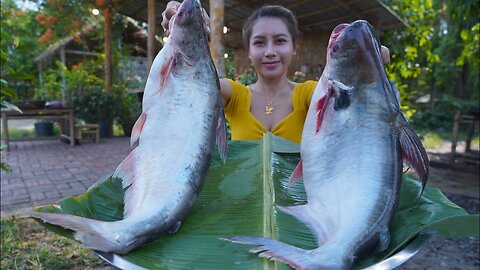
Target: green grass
[[17, 133], [25, 244], [432, 139]]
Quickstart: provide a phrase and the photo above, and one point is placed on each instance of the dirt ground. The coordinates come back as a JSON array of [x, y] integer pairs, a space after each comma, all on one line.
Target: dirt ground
[[459, 180]]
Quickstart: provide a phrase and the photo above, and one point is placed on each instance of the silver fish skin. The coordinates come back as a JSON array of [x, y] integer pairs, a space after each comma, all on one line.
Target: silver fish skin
[[182, 119], [353, 143]]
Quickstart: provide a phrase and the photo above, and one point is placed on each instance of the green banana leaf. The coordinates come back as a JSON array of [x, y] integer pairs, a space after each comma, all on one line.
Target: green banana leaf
[[239, 198]]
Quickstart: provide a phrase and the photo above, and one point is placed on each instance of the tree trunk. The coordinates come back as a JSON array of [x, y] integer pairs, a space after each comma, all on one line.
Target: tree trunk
[[151, 34], [107, 14], [216, 33], [433, 90], [462, 80]]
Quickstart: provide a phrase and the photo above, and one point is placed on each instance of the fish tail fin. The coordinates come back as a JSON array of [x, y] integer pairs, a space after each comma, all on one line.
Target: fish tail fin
[[304, 214], [296, 257], [91, 233]]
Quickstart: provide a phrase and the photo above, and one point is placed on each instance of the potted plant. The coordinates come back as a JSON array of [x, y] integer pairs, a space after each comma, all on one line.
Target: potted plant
[[43, 128], [127, 110], [96, 106]]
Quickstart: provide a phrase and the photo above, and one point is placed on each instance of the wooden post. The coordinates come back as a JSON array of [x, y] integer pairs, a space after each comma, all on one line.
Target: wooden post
[[107, 14], [216, 36], [64, 82], [151, 34], [40, 73], [456, 123]]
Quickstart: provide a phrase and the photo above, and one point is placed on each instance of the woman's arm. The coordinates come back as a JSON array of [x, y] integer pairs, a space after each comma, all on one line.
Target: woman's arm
[[225, 91]]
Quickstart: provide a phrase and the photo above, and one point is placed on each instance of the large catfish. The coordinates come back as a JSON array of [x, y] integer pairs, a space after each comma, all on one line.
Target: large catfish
[[182, 119], [354, 140]]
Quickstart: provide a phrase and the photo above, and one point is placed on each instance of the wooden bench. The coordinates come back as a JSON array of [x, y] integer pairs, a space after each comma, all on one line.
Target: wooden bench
[[87, 131], [470, 118]]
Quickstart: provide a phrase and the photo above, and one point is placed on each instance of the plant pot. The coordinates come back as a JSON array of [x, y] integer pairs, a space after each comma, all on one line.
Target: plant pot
[[43, 129], [106, 129], [127, 129]]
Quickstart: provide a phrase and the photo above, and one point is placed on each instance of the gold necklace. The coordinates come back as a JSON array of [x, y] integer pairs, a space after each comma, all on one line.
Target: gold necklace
[[269, 105]]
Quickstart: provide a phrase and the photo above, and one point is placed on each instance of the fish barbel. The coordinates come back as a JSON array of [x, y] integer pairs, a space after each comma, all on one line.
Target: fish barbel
[[182, 119], [353, 143]]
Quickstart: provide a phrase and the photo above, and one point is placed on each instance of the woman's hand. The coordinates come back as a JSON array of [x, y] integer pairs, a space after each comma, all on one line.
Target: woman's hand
[[171, 9], [385, 54]]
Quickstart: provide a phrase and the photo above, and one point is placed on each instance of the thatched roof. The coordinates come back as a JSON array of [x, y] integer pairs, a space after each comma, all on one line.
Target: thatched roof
[[133, 35], [56, 47], [312, 15]]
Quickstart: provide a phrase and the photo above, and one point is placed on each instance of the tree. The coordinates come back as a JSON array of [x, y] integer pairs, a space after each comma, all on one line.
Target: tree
[[430, 57], [19, 48]]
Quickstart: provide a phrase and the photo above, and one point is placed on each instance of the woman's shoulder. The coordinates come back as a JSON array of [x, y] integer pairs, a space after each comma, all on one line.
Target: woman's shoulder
[[240, 95], [306, 88], [303, 93], [308, 85], [236, 85]]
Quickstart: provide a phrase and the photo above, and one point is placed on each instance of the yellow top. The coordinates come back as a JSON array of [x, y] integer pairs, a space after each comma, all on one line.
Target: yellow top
[[245, 126]]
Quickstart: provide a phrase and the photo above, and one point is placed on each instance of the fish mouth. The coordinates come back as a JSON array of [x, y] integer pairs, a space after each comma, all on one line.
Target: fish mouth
[[358, 35], [335, 33], [355, 50], [185, 10]]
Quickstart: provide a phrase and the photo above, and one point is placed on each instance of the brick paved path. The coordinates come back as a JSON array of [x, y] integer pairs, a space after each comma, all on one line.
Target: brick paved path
[[47, 171]]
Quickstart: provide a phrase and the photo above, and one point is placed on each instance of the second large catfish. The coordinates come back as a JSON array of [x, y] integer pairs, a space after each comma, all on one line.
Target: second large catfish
[[354, 140]]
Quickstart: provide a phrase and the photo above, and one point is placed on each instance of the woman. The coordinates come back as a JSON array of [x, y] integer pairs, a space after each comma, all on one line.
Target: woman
[[273, 103]]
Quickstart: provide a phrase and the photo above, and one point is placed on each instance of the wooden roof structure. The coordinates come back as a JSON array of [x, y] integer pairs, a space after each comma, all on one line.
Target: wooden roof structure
[[312, 15]]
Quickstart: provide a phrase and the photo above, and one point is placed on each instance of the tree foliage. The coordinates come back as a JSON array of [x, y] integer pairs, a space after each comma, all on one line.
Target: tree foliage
[[436, 55], [18, 49]]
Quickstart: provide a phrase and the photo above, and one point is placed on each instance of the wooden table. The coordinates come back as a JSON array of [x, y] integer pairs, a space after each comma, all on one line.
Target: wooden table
[[48, 114]]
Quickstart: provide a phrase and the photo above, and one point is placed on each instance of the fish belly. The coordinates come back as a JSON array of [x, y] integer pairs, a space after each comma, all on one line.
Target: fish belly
[[349, 176], [176, 145]]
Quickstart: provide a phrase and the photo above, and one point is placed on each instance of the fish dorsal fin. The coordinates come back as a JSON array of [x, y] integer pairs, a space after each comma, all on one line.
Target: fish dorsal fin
[[221, 135], [127, 171], [297, 174], [413, 152], [137, 128]]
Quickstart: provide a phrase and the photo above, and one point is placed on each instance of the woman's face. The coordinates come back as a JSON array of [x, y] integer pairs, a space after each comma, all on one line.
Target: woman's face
[[271, 47]]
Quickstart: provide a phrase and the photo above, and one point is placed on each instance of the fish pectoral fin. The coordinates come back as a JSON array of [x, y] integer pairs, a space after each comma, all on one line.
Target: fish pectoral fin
[[413, 152], [221, 135], [165, 71], [137, 128], [296, 175], [322, 106]]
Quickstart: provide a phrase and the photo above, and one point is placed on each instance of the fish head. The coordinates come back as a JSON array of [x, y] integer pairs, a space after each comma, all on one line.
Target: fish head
[[188, 32], [354, 60], [354, 55]]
